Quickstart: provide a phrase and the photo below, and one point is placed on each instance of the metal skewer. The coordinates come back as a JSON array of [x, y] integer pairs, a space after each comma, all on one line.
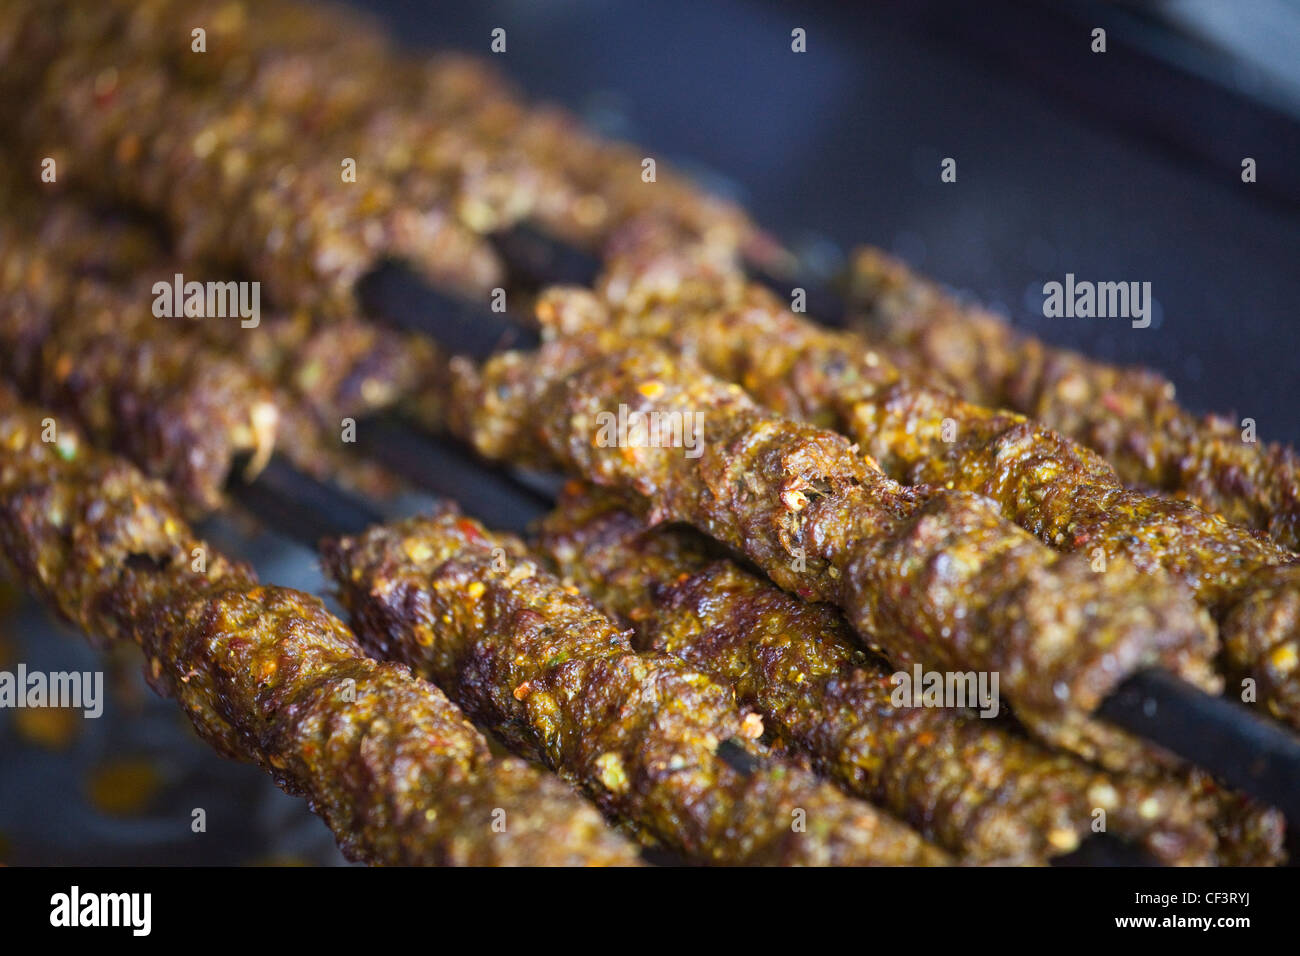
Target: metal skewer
[[534, 260]]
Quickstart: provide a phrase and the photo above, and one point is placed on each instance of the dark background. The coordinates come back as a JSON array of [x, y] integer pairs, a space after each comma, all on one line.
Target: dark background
[[1119, 166]]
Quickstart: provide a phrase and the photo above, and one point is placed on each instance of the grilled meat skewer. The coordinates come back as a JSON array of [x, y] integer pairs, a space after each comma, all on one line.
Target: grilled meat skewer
[[202, 424], [444, 151], [932, 577], [110, 393], [267, 675], [186, 397], [217, 478], [969, 783], [776, 841], [697, 301], [447, 267], [1248, 835], [1128, 415], [651, 739]]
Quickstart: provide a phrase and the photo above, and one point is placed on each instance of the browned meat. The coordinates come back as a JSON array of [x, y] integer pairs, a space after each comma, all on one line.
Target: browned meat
[[645, 734], [268, 675], [926, 576], [695, 299], [974, 785], [1128, 415]]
